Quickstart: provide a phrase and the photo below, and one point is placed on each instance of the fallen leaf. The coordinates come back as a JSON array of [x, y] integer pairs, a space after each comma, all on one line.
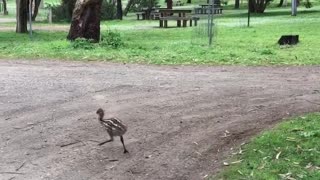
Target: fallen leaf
[[278, 155], [236, 162], [240, 172]]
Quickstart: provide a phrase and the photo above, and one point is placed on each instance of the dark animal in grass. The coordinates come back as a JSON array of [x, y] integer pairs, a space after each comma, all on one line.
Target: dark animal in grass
[[288, 40], [114, 127]]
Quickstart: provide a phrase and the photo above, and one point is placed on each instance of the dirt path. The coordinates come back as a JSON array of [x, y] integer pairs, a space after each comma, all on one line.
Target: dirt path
[[176, 116]]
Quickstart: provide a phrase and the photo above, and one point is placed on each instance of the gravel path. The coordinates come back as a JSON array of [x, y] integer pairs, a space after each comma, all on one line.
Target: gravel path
[[177, 116]]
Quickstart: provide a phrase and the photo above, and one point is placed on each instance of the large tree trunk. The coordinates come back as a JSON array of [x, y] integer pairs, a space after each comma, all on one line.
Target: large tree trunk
[[129, 5], [22, 16], [119, 10], [5, 11], [36, 9], [86, 20], [258, 6], [237, 4]]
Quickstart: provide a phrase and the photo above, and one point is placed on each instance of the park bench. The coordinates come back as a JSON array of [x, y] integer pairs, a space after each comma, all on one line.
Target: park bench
[[164, 20], [142, 14]]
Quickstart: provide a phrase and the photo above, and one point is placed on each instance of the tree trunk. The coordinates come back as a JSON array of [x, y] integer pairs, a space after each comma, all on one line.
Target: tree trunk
[[36, 9], [119, 10], [258, 6], [237, 4], [129, 5], [169, 4], [5, 11], [188, 1], [281, 3], [86, 20], [22, 16]]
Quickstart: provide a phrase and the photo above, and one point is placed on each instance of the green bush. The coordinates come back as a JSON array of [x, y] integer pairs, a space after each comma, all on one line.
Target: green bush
[[82, 43], [111, 39], [138, 4], [108, 10]]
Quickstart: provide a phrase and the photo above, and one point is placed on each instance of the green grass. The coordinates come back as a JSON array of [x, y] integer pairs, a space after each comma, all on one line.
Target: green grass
[[290, 150], [234, 43]]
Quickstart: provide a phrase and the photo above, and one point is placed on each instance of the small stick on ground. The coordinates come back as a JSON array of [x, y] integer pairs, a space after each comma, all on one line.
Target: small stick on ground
[[21, 166], [68, 144]]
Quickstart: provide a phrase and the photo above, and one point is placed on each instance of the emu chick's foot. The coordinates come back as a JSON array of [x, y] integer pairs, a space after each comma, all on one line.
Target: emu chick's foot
[[125, 151]]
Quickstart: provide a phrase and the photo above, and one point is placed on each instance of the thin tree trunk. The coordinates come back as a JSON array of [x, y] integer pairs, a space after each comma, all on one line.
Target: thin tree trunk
[[22, 16], [119, 10], [129, 5], [237, 4], [86, 20], [5, 11], [36, 9], [169, 4], [281, 3]]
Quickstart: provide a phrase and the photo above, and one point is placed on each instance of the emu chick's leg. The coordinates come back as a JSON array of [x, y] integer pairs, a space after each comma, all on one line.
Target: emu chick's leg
[[110, 140], [102, 143], [124, 147]]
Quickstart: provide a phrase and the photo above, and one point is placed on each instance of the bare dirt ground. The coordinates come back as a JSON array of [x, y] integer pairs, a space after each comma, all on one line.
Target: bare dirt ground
[[177, 116]]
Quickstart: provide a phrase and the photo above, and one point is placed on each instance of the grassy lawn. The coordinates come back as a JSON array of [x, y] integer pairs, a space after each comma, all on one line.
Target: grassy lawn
[[289, 151], [144, 42]]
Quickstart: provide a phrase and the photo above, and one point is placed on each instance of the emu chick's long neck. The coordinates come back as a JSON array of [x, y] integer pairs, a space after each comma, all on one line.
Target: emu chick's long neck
[[101, 117]]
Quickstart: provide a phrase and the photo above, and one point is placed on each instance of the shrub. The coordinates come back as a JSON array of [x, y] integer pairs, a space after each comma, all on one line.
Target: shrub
[[82, 43], [111, 39]]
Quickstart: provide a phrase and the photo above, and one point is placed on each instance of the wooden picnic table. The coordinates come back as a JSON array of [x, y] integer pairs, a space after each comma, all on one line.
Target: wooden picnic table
[[208, 5], [180, 12], [147, 12], [181, 15], [207, 8]]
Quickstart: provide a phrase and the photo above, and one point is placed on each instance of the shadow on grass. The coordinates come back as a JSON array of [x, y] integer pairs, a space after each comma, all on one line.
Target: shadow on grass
[[269, 14], [13, 37]]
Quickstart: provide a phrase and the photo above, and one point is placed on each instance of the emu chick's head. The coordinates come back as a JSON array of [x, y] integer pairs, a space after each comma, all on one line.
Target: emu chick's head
[[100, 112]]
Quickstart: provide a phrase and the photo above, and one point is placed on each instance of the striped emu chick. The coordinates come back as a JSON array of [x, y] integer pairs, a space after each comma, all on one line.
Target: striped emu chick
[[114, 127]]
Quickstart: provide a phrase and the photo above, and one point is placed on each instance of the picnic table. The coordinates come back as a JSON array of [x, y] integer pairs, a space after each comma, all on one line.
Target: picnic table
[[148, 13], [179, 15], [207, 9]]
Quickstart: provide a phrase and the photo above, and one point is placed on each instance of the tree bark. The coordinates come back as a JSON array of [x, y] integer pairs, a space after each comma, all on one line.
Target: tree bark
[[5, 11], [129, 5], [169, 4], [22, 16], [36, 9], [86, 20], [119, 10], [237, 4], [258, 6]]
